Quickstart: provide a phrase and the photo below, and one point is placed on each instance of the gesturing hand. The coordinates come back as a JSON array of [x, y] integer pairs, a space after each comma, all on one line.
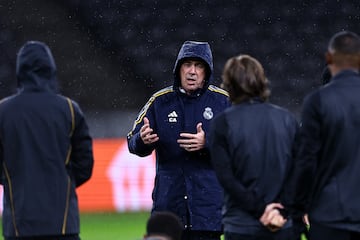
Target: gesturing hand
[[146, 133], [193, 142]]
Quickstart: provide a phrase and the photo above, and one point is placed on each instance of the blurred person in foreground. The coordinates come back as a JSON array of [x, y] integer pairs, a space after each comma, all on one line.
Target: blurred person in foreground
[[175, 122], [45, 152], [253, 146], [325, 75], [327, 178], [163, 226]]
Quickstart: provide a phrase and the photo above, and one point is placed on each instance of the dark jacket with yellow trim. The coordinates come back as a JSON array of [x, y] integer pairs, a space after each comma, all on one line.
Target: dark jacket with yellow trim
[[45, 151], [185, 182]]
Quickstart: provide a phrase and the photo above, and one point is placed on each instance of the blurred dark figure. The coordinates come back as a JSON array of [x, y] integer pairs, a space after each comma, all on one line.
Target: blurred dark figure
[[325, 75], [163, 226], [327, 171], [45, 152], [253, 146], [174, 123]]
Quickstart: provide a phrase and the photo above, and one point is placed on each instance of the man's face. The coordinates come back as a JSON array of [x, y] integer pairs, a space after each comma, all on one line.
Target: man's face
[[192, 75]]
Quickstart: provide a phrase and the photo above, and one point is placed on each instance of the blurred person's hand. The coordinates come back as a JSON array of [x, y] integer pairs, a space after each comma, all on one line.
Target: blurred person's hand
[[306, 220]]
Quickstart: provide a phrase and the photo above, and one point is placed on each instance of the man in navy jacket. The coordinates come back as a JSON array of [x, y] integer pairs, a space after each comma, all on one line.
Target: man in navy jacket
[[327, 171], [175, 122], [45, 153]]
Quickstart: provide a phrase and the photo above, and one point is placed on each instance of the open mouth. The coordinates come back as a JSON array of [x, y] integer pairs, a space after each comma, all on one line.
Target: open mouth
[[191, 82]]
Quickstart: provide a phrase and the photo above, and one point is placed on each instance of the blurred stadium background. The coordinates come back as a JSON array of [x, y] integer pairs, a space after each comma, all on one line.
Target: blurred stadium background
[[112, 55]]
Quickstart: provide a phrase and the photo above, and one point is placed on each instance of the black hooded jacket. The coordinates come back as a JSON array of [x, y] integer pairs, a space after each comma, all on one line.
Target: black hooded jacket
[[253, 147], [46, 151]]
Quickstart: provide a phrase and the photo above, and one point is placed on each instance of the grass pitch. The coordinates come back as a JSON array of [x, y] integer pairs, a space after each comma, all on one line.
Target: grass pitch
[[114, 226]]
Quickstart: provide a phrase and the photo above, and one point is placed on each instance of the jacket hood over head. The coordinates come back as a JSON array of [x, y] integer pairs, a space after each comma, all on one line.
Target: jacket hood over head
[[35, 68], [193, 49]]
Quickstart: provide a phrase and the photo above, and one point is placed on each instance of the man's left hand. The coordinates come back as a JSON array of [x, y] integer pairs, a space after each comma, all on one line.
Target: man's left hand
[[193, 142]]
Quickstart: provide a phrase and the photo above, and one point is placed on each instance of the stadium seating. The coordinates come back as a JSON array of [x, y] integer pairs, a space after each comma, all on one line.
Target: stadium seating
[[126, 49]]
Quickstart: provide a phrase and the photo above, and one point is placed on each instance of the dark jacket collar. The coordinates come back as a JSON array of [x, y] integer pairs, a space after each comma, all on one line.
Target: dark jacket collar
[[345, 73]]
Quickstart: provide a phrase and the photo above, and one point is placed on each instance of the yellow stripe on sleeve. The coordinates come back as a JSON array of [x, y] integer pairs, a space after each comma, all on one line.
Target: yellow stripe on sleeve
[[143, 111], [218, 90]]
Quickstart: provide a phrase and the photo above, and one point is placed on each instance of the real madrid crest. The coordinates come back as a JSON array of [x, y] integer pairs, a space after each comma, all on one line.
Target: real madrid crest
[[208, 114]]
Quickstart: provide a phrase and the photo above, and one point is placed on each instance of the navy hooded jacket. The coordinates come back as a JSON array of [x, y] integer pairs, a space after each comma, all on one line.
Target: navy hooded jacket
[[185, 181], [45, 151]]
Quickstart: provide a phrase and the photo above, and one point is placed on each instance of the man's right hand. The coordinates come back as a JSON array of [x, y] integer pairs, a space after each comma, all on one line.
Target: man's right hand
[[146, 133]]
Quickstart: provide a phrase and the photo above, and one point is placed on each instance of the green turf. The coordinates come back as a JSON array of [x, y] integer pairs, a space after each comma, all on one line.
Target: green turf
[[114, 226], [122, 226]]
